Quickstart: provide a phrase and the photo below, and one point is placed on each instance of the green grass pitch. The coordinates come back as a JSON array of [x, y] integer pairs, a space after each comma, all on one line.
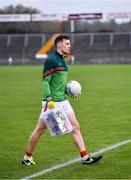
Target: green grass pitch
[[103, 111]]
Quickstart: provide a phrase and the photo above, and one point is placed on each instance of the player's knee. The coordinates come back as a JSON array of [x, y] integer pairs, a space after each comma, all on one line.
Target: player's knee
[[76, 128], [40, 128], [39, 131]]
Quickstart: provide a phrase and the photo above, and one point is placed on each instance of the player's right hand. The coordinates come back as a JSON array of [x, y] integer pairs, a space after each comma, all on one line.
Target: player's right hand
[[48, 98]]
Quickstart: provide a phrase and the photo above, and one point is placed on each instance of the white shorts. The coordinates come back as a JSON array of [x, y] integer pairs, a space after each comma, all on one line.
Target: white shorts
[[65, 105]]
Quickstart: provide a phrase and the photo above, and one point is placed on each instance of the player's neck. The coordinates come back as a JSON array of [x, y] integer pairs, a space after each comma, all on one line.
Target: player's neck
[[59, 52]]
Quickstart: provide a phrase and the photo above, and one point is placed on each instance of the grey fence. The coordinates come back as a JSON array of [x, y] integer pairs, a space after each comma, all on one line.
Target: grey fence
[[87, 48]]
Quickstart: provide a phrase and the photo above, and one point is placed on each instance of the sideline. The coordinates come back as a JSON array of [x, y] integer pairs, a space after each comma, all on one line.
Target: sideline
[[44, 171]]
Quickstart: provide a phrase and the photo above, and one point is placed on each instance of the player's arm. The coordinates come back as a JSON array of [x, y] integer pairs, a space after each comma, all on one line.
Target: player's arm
[[45, 86], [47, 76]]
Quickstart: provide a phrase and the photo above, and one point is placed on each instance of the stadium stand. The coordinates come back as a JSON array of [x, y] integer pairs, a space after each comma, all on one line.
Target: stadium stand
[[81, 42], [3, 49], [87, 48], [21, 48], [101, 42], [15, 48], [103, 48], [121, 42], [33, 45]]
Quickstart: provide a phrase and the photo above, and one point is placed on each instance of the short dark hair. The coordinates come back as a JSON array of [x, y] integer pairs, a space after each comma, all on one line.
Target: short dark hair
[[60, 38]]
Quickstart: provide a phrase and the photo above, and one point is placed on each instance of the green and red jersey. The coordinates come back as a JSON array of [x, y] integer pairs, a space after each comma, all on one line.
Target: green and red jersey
[[55, 77]]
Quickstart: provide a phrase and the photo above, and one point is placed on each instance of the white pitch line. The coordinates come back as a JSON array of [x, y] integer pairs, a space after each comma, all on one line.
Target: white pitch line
[[44, 171]]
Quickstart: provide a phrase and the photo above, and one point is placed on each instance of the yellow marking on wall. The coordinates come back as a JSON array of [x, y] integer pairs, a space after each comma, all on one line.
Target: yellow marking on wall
[[48, 45]]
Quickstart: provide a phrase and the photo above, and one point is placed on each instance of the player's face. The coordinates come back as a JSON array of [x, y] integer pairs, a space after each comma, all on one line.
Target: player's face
[[65, 46]]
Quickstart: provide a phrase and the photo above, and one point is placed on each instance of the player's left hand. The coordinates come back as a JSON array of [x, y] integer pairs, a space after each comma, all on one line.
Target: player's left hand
[[73, 96]]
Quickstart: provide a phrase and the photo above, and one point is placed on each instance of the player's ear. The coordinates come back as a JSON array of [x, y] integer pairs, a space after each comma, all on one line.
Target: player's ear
[[59, 44]]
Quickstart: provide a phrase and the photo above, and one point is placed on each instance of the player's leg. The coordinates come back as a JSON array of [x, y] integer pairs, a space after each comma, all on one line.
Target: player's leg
[[76, 134], [78, 140], [33, 139], [38, 131], [77, 137]]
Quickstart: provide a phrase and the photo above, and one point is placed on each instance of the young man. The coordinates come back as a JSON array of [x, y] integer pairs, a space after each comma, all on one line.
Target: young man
[[54, 82]]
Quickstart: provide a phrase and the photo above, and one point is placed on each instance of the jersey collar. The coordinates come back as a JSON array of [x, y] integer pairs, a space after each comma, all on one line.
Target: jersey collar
[[59, 54]]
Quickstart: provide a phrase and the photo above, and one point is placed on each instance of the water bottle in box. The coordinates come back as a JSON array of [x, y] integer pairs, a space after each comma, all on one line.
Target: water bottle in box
[[57, 122]]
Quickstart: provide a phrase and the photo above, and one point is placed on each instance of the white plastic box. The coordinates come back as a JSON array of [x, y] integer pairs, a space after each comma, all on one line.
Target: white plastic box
[[57, 122]]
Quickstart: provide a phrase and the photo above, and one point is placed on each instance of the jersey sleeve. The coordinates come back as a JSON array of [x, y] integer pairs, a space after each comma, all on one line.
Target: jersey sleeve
[[47, 75], [45, 86]]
